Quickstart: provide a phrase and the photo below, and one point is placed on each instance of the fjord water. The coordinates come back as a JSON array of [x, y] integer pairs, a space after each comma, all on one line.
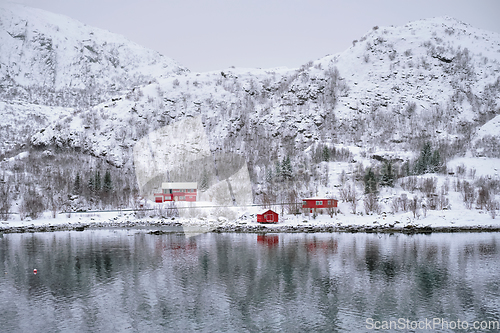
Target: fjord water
[[131, 281]]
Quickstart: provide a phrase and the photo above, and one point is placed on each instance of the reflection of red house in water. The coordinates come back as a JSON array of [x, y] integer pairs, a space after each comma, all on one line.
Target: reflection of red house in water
[[310, 205], [267, 216], [324, 246], [269, 240]]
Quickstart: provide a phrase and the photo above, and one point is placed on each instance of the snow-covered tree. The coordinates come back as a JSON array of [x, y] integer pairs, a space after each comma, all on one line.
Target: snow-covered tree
[[286, 168], [370, 180], [107, 185], [204, 183], [387, 177]]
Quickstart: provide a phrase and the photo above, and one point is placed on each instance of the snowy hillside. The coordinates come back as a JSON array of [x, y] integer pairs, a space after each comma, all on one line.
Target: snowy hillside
[[433, 81], [51, 59], [396, 88]]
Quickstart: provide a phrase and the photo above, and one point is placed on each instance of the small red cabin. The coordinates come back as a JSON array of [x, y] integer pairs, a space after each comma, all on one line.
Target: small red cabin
[[313, 204], [267, 216]]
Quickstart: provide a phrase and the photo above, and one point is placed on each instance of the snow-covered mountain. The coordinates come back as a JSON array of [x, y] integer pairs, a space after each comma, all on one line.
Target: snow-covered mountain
[[435, 79], [48, 59], [52, 60], [78, 87]]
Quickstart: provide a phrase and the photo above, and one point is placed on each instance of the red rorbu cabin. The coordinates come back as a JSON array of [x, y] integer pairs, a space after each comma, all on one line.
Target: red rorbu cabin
[[267, 216], [310, 205], [177, 192]]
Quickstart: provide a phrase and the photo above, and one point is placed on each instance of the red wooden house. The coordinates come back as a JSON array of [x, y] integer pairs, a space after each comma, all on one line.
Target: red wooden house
[[177, 192], [267, 216], [310, 205]]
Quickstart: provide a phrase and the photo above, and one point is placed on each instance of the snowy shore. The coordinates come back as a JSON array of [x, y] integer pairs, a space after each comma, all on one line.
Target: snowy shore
[[433, 221]]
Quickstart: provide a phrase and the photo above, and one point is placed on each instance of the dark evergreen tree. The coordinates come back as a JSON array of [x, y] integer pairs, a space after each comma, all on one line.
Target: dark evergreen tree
[[435, 161], [107, 186], [326, 153], [422, 163], [97, 182], [387, 178], [269, 175], [278, 170], [286, 168], [370, 180], [91, 184], [428, 161], [77, 184]]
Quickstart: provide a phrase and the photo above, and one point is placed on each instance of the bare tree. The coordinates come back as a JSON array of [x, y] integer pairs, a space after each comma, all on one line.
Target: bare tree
[[428, 185], [332, 210], [446, 186], [395, 204], [371, 203], [5, 202], [343, 177], [414, 206], [32, 205], [326, 177], [442, 201], [404, 202], [492, 206], [344, 193], [172, 210], [266, 200], [349, 194], [293, 202], [468, 194], [483, 197]]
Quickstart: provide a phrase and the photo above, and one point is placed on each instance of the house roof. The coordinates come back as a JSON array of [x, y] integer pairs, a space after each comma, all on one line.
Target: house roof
[[179, 185], [318, 198], [265, 211]]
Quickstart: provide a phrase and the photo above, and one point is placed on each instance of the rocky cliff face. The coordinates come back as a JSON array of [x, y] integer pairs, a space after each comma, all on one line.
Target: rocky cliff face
[[393, 89], [50, 59]]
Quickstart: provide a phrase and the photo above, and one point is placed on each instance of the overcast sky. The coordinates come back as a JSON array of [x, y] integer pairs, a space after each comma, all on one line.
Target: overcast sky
[[206, 35]]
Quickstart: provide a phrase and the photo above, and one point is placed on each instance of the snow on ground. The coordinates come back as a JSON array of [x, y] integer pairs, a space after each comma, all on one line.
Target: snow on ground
[[203, 216], [492, 127], [483, 166], [211, 220]]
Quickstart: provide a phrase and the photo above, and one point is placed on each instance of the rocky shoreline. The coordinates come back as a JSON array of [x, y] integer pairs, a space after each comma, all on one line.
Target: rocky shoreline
[[157, 227]]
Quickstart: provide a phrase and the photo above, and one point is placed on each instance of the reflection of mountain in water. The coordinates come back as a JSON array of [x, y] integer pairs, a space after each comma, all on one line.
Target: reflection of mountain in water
[[99, 280]]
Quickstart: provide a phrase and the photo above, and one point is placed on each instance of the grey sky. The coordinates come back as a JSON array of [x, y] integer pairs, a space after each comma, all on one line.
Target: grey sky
[[211, 35]]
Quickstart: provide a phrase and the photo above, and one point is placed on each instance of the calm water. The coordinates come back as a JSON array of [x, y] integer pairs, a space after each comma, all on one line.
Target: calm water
[[131, 281]]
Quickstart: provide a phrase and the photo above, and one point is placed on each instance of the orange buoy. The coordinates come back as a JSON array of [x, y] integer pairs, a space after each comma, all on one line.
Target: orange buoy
[[34, 271]]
